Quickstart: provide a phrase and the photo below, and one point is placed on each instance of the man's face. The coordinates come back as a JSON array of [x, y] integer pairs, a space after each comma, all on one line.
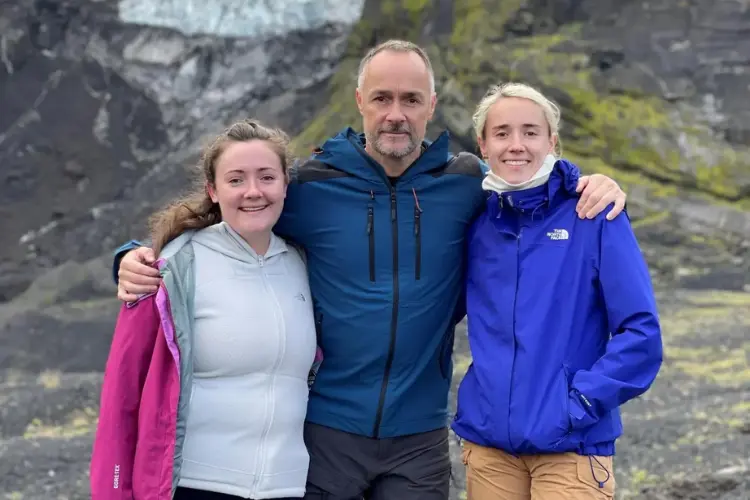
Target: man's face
[[396, 103]]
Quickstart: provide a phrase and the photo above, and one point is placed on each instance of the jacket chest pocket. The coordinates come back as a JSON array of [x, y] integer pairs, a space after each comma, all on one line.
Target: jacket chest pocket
[[371, 240], [550, 264]]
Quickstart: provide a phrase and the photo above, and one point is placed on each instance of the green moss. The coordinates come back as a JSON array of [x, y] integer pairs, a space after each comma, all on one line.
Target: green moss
[[721, 298], [630, 137], [79, 423], [688, 321], [720, 179], [640, 478], [726, 367], [461, 364], [639, 140], [469, 16], [388, 7], [50, 379], [340, 112], [651, 219], [415, 6]]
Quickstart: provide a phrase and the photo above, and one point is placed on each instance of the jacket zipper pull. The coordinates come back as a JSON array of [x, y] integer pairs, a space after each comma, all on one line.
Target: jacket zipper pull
[[417, 236], [393, 206], [371, 235]]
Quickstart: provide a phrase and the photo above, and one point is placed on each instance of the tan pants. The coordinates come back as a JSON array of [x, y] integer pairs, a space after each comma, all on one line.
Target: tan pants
[[492, 474]]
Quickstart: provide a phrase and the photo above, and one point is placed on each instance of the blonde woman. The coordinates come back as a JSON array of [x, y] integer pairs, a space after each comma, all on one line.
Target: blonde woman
[[562, 319]]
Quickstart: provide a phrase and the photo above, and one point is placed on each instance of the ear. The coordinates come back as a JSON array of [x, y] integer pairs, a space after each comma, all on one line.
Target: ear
[[553, 144], [482, 146], [433, 103], [211, 190], [360, 100]]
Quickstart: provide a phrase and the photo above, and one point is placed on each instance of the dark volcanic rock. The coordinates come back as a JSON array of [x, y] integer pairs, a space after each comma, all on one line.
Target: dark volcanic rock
[[45, 468], [101, 118], [729, 484]]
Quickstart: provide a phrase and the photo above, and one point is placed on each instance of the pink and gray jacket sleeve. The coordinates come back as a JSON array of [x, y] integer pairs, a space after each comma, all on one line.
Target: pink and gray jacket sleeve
[[124, 377]]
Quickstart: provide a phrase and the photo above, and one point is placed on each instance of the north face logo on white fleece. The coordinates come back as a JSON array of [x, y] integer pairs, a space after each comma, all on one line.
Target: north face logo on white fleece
[[558, 234]]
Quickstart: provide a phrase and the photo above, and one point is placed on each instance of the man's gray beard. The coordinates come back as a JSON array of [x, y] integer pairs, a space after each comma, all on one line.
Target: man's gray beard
[[409, 149]]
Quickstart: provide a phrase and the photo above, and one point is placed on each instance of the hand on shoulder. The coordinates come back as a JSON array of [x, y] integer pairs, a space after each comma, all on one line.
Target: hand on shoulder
[[137, 276], [597, 193]]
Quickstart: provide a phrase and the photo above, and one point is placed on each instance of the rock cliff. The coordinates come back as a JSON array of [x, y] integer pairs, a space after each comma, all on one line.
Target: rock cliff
[[104, 105]]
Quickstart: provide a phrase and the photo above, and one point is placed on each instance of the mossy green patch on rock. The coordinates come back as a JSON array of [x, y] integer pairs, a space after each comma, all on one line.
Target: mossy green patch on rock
[[725, 367], [645, 143], [340, 112], [79, 423], [702, 311], [50, 379], [640, 478], [718, 298], [461, 364], [651, 219], [477, 21]]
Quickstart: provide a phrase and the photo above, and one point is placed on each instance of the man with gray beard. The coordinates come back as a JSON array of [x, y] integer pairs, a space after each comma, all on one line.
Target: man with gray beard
[[383, 217]]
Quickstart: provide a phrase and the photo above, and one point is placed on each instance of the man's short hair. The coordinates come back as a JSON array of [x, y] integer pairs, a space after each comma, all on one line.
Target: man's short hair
[[396, 46]]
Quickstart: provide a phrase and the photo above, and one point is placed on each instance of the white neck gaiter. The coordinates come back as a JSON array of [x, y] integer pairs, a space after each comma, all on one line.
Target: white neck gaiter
[[493, 182]]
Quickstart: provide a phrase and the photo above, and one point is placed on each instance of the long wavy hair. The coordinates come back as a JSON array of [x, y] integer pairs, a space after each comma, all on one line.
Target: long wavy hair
[[196, 210]]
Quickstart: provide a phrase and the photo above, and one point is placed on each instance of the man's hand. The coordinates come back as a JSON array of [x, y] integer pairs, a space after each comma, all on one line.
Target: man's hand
[[136, 276], [597, 192]]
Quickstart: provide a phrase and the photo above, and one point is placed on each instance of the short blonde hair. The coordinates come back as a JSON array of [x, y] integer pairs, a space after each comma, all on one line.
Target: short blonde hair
[[521, 90]]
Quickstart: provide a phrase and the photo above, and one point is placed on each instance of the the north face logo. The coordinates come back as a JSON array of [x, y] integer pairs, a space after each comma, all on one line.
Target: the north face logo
[[558, 234]]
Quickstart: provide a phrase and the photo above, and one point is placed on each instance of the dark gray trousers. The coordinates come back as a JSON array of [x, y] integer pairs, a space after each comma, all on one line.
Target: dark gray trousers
[[346, 466]]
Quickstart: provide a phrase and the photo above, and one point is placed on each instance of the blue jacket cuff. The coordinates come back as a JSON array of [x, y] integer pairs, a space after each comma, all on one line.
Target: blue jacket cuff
[[120, 253]]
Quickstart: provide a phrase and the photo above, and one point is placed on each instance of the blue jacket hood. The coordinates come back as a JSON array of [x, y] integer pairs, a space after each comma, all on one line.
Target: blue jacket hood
[[346, 152]]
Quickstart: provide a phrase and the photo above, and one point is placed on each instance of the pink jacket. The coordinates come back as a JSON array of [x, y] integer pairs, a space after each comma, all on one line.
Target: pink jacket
[[138, 444], [133, 454]]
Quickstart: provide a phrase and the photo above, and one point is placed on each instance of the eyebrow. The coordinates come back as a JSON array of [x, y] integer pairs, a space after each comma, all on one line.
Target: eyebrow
[[240, 171], [410, 93], [525, 125]]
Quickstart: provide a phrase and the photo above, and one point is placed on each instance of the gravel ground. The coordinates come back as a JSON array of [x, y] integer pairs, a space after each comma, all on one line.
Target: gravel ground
[[687, 438]]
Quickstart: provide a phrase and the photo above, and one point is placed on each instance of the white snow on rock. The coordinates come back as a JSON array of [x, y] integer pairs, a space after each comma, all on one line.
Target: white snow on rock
[[240, 18]]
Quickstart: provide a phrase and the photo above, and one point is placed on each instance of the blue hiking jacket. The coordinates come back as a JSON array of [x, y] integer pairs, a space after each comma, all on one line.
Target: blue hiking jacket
[[562, 324], [386, 265], [386, 262]]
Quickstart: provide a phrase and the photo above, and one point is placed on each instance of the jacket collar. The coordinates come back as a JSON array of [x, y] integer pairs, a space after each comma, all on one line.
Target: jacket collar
[[346, 151], [537, 201]]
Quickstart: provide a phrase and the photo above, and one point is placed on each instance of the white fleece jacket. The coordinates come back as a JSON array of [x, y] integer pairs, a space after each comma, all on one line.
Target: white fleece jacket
[[253, 347]]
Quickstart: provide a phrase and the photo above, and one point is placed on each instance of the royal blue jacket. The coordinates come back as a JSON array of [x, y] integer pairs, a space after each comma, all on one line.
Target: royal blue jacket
[[386, 264], [562, 323]]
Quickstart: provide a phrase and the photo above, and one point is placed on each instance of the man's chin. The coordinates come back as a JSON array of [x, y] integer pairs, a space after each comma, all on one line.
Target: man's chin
[[396, 153]]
